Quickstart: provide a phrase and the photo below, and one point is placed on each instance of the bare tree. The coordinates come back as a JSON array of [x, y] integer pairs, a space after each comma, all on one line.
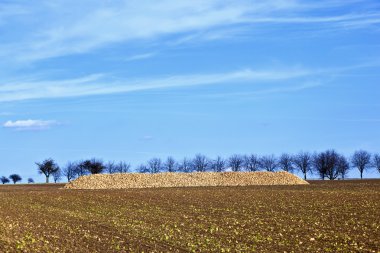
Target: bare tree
[[30, 180], [343, 166], [329, 164], [268, 163], [4, 180], [200, 163], [236, 162], [361, 160], [303, 162], [376, 162], [122, 167], [15, 178], [185, 165], [285, 162], [218, 165], [142, 168], [93, 166], [110, 167], [155, 165], [47, 168], [57, 175], [251, 162], [69, 171], [80, 169], [319, 163], [332, 164], [170, 164]]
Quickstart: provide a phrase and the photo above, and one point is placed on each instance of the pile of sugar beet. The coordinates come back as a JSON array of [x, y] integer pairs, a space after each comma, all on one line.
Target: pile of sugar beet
[[142, 180]]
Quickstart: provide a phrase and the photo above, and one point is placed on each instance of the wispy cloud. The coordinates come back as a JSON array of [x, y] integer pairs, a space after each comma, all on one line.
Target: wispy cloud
[[269, 91], [5, 113], [99, 84], [103, 84], [147, 138], [30, 124], [139, 57], [100, 24], [8, 10]]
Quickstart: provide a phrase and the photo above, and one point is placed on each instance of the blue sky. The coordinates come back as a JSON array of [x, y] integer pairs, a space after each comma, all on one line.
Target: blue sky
[[132, 80]]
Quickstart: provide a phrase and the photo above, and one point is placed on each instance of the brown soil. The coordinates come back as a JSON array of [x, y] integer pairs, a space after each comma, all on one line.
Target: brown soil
[[325, 216], [140, 180]]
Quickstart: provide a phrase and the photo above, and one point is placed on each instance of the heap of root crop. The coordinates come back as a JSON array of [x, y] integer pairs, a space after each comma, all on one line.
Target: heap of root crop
[[140, 180]]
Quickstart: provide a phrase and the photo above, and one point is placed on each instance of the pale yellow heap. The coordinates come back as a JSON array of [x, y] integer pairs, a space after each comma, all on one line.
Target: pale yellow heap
[[140, 180]]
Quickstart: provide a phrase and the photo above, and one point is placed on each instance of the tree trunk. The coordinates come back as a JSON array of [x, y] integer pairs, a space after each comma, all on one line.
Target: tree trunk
[[361, 174], [47, 179], [305, 176]]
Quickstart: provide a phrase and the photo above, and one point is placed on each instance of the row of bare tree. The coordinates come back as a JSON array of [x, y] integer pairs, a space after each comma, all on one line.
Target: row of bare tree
[[328, 164], [80, 168], [14, 178]]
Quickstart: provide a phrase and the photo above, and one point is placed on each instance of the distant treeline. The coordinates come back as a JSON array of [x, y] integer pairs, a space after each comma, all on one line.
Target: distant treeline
[[328, 164]]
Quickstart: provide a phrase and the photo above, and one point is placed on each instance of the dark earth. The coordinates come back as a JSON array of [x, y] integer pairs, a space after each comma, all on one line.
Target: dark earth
[[325, 216]]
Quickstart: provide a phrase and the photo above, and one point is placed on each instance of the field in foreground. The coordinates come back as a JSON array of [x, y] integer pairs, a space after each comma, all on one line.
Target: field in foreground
[[340, 216]]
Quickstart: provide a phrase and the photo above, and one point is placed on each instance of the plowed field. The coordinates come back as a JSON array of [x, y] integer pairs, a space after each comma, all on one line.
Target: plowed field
[[340, 216]]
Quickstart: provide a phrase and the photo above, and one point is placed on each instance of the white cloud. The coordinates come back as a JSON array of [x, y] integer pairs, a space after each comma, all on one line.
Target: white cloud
[[30, 124], [268, 91], [103, 84], [8, 10], [140, 57], [100, 85], [90, 25]]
